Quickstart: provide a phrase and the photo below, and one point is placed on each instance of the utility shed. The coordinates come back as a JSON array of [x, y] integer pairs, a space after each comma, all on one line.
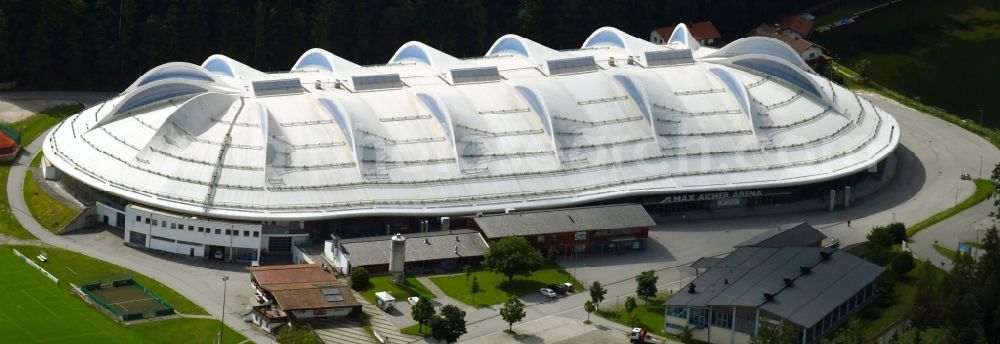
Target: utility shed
[[606, 228], [438, 250]]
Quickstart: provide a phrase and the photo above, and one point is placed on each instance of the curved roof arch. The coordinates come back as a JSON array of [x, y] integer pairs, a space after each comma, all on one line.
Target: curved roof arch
[[534, 51], [739, 91], [179, 70], [422, 53], [762, 46], [781, 69], [682, 36], [320, 59], [223, 65], [152, 93], [638, 95], [345, 123], [538, 106], [609, 36]]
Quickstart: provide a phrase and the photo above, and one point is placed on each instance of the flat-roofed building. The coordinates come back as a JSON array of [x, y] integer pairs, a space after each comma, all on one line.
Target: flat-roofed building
[[438, 250], [605, 228]]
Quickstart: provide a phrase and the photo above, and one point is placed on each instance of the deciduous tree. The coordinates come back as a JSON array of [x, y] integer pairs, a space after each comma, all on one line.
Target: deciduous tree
[[512, 312], [512, 256], [422, 312]]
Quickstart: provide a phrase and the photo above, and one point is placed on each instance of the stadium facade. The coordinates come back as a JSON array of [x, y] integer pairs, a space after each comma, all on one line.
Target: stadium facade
[[221, 157]]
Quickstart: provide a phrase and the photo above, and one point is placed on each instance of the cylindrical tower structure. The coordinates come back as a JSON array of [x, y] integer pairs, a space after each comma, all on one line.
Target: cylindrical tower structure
[[397, 258]]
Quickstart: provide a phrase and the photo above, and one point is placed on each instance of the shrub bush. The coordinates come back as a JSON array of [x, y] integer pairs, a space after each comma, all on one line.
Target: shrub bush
[[359, 278]]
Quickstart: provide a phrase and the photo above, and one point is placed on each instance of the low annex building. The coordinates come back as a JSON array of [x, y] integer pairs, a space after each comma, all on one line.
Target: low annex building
[[286, 294], [605, 228], [784, 279], [442, 250]]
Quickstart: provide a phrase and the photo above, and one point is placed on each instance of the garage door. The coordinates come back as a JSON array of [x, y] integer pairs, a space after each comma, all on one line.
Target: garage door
[[279, 244], [137, 238]]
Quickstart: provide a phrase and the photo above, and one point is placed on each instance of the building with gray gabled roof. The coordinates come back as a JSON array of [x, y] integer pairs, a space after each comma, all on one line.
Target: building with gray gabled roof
[[811, 289]]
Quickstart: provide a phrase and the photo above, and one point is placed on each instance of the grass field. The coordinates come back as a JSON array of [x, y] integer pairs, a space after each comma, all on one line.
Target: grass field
[[496, 289], [411, 287], [74, 267], [36, 310], [940, 51], [946, 252], [49, 212]]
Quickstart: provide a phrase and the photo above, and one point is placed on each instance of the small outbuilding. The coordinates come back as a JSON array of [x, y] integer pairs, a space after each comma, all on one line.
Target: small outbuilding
[[286, 294], [10, 142], [438, 250]]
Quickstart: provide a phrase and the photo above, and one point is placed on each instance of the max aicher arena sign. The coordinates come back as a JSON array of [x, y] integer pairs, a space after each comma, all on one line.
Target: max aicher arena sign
[[709, 196]]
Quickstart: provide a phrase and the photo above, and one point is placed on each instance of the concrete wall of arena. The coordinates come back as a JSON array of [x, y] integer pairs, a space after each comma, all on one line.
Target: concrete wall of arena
[[189, 236]]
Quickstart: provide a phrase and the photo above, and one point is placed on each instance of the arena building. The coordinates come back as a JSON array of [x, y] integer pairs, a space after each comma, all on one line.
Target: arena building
[[222, 159]]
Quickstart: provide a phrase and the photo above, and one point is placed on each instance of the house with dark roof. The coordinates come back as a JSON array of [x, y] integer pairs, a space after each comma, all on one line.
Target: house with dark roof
[[435, 250], [286, 294], [782, 278], [612, 228], [703, 31], [10, 142]]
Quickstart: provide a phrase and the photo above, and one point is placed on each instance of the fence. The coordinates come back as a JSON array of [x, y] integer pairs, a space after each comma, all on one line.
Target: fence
[[153, 307], [36, 266]]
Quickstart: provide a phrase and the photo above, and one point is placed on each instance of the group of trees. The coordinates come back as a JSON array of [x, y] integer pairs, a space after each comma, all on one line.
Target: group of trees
[[446, 326], [964, 305], [107, 44], [878, 248]]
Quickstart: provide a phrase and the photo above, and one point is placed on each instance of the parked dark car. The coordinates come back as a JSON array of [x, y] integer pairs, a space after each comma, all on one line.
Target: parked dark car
[[558, 288]]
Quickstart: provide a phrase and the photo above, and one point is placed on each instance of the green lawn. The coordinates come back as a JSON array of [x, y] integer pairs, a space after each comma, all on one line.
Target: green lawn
[[415, 330], [73, 267], [30, 128], [411, 287], [946, 252], [50, 213], [37, 161], [36, 310], [984, 188], [649, 316], [495, 287], [882, 314], [298, 335]]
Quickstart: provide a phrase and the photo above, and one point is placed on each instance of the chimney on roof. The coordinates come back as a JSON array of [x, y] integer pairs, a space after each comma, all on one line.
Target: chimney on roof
[[824, 255], [427, 241], [769, 297], [789, 281], [725, 281], [457, 240], [805, 269], [456, 249], [691, 289]]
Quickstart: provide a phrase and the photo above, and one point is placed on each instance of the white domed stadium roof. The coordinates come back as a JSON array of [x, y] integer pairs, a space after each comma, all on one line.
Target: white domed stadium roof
[[429, 134]]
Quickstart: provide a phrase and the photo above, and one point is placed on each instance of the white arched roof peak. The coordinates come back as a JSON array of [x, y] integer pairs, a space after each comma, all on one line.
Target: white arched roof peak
[[739, 91], [537, 103], [422, 53], [345, 123], [223, 65], [319, 59], [781, 69], [609, 36], [179, 70], [153, 93], [763, 46], [683, 37], [534, 51]]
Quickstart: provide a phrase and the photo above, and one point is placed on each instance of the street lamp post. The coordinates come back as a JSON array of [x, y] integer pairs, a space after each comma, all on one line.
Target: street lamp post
[[222, 323]]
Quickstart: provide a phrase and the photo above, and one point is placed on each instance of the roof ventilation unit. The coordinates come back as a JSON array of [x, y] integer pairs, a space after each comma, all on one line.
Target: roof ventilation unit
[[805, 269], [691, 289], [376, 82], [264, 88], [668, 57], [572, 65], [789, 281], [824, 255], [769, 297], [472, 75]]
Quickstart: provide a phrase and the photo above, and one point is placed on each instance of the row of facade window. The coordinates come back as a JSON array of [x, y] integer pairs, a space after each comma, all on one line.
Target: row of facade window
[[848, 307], [230, 232]]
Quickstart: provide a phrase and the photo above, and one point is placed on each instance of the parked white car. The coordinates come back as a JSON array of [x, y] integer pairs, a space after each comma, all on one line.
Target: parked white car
[[547, 292], [413, 300]]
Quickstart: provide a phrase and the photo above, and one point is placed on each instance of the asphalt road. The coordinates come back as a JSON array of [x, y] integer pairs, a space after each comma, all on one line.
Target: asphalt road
[[931, 157]]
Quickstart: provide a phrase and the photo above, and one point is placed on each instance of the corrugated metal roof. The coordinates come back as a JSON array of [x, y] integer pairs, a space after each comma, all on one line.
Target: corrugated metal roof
[[564, 220], [419, 247], [742, 278], [801, 234]]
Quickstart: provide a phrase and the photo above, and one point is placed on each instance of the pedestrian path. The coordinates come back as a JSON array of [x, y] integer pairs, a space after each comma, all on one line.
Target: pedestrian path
[[439, 296]]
